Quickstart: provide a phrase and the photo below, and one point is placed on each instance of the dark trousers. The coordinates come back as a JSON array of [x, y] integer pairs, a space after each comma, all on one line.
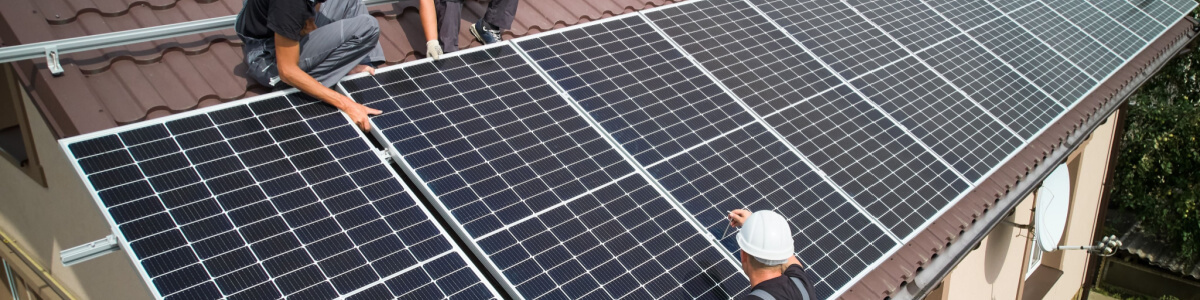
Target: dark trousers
[[500, 13], [346, 36]]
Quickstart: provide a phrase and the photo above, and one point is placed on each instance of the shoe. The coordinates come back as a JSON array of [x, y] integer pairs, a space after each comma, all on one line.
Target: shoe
[[484, 33]]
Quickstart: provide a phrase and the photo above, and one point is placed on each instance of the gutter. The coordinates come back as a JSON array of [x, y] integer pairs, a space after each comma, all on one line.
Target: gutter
[[944, 262]]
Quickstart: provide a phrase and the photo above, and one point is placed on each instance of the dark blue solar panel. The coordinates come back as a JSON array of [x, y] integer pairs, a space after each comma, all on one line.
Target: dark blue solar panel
[[548, 201], [910, 22], [271, 198], [1073, 43], [1132, 17], [741, 48], [966, 137], [835, 33], [1104, 29], [1037, 61], [736, 163], [1002, 91], [882, 168]]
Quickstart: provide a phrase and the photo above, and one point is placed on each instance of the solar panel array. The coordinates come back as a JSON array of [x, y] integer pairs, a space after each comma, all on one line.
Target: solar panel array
[[270, 198], [599, 161], [554, 208]]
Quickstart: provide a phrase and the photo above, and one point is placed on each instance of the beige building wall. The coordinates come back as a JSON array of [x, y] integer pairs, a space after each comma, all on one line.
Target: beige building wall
[[997, 269], [45, 220]]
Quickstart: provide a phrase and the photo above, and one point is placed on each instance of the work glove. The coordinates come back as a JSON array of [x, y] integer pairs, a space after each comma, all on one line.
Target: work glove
[[433, 49]]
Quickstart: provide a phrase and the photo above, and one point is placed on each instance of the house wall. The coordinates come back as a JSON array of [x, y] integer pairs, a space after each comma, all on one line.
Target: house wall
[[997, 268], [45, 220]]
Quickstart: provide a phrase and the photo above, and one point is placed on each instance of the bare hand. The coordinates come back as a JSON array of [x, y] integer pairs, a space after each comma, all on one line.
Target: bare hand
[[362, 68], [360, 114], [738, 217]]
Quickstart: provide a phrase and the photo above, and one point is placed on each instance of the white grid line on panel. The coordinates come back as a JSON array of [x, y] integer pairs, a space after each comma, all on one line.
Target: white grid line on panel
[[517, 223], [625, 153], [966, 138], [1088, 51], [1142, 24], [1150, 8], [1091, 19], [1008, 93], [860, 94], [1008, 15], [922, 61], [758, 119]]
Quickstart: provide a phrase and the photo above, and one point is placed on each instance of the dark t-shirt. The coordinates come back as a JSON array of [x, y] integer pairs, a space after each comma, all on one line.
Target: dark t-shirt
[[782, 287], [262, 19]]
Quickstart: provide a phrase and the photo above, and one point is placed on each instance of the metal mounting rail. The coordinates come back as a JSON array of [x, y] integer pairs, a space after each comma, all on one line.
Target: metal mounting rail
[[50, 50]]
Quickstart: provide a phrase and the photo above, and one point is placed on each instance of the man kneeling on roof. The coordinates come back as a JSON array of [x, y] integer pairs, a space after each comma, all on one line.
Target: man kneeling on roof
[[766, 242], [312, 44]]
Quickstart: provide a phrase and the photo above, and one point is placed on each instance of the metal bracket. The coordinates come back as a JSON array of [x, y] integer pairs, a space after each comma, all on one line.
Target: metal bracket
[[52, 60], [89, 251], [384, 155]]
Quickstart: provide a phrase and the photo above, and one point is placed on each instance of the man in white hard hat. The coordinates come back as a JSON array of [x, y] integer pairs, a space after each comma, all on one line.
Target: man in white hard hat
[[767, 257]]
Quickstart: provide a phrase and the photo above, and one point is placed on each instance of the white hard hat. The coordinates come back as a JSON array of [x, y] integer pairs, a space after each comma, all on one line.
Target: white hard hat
[[767, 237]]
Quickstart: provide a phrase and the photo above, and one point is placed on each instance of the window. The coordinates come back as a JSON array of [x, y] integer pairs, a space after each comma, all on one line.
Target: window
[[16, 141], [1035, 256]]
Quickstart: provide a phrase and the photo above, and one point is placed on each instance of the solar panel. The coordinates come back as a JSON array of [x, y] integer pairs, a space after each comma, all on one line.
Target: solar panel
[[966, 137], [554, 209], [872, 159], [1003, 92], [966, 14], [265, 198], [739, 46], [1099, 25], [1034, 59], [829, 28], [716, 156], [1182, 6], [1073, 43], [1131, 17], [1158, 10], [912, 24]]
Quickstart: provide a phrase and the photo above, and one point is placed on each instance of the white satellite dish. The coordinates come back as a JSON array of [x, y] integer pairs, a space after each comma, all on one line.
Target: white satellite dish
[[1053, 203]]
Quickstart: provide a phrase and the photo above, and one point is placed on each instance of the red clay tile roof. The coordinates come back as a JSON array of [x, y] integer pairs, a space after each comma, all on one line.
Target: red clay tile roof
[[120, 85]]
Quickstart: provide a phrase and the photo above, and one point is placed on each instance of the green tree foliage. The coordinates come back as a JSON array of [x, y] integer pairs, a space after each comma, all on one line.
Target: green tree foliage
[[1158, 169]]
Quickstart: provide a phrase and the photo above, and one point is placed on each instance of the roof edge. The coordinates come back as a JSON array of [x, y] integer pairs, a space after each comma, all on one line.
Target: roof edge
[[938, 267]]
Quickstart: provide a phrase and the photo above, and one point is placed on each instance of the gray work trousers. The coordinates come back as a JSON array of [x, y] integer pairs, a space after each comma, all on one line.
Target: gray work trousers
[[500, 13], [346, 36]]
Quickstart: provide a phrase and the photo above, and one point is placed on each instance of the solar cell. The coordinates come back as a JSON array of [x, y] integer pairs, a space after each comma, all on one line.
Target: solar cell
[[548, 202], [1099, 25], [266, 198], [1035, 60], [966, 137], [871, 158], [999, 89], [740, 165], [912, 24], [1132, 17], [831, 29], [1094, 58]]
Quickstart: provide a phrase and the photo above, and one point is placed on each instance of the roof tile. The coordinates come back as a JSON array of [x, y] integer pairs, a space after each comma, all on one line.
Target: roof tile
[[153, 79]]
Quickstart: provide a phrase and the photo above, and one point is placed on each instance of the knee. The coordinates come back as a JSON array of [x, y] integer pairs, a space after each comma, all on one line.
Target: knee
[[365, 26]]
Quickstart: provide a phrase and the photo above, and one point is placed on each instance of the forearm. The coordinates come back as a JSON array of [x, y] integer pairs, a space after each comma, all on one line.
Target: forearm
[[429, 20]]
